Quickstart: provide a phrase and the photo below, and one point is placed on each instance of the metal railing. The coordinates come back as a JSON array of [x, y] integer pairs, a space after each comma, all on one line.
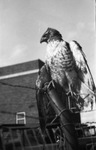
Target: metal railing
[[24, 138], [21, 137]]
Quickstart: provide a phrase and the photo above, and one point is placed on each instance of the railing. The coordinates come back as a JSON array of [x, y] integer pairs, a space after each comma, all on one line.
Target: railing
[[21, 137], [25, 138], [86, 134]]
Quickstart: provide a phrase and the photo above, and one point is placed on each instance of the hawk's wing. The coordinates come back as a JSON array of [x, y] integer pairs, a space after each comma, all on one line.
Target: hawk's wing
[[83, 71]]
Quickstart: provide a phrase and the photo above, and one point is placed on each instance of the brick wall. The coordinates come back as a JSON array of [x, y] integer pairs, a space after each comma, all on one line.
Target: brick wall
[[17, 94]]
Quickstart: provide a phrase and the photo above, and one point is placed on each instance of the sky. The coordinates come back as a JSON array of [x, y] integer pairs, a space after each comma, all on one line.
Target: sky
[[22, 23]]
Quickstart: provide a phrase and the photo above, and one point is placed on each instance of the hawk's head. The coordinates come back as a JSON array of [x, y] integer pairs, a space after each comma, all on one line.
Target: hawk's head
[[50, 34]]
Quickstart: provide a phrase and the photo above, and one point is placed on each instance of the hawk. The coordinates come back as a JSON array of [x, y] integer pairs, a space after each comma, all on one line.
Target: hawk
[[66, 65]]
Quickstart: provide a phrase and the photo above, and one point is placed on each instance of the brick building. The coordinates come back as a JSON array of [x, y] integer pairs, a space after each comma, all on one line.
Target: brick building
[[17, 93]]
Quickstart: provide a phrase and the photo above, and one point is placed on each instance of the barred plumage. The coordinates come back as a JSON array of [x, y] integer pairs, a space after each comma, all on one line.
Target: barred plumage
[[67, 66], [61, 62]]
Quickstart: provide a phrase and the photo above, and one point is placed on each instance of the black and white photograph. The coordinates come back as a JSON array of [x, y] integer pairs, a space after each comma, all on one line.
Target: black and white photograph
[[47, 74]]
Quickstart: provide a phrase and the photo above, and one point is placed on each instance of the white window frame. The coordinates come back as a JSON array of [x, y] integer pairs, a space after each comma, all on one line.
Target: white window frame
[[20, 118]]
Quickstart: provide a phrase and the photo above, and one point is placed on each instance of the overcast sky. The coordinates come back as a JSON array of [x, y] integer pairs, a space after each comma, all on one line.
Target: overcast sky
[[22, 23]]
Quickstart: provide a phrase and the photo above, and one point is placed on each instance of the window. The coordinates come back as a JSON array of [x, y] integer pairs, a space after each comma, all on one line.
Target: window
[[20, 118]]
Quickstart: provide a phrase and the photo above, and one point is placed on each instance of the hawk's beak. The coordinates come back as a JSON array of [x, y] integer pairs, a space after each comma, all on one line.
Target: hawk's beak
[[44, 38]]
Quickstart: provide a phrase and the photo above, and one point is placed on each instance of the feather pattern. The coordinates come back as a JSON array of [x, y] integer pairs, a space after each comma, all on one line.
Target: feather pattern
[[84, 74], [66, 65], [60, 60]]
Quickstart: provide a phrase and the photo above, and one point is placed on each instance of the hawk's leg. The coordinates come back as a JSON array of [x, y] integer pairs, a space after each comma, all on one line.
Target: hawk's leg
[[70, 92]]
